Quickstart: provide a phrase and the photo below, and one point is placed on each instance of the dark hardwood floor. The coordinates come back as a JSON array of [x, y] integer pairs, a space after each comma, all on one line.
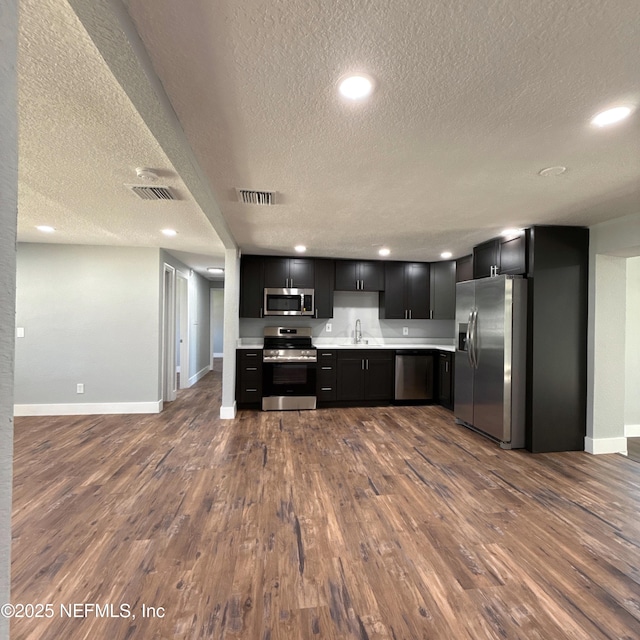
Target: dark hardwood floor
[[385, 523]]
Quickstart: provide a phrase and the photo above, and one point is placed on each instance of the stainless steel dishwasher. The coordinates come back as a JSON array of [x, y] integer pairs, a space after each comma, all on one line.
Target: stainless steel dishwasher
[[414, 375]]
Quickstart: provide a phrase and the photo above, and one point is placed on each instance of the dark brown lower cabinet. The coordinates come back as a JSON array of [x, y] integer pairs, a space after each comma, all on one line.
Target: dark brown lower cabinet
[[249, 377], [326, 376], [365, 375], [445, 379]]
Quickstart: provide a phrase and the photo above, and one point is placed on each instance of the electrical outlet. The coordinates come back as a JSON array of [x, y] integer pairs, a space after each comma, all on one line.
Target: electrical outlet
[[80, 387], [328, 327], [20, 332], [405, 331]]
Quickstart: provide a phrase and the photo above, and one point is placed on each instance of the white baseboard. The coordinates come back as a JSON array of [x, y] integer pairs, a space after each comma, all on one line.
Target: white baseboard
[[228, 413], [605, 445], [632, 430], [86, 408], [198, 376]]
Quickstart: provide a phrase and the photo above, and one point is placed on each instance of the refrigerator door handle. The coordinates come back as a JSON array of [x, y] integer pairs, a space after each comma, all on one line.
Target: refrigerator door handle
[[468, 338], [472, 338]]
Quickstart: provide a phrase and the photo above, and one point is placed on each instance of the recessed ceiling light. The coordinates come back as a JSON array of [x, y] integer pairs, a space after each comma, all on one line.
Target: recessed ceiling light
[[215, 270], [610, 116], [300, 248], [384, 251], [552, 171], [446, 254], [45, 228], [356, 87], [170, 232]]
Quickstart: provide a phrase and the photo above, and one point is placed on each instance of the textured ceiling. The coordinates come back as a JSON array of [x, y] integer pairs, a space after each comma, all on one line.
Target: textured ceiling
[[80, 141], [473, 99]]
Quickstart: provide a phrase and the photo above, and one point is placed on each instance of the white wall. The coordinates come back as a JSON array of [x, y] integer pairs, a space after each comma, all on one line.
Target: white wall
[[8, 218], [217, 298], [611, 244], [632, 350], [90, 316]]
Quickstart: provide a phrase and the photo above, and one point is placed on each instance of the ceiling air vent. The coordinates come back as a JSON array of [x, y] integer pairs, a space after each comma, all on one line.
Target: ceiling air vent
[[152, 193], [249, 196]]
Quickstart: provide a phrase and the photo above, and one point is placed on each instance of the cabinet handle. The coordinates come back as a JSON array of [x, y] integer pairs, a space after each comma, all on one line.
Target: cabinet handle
[[315, 315], [254, 390], [291, 280], [326, 354], [327, 368], [430, 314], [446, 367], [261, 313], [251, 369], [362, 364], [326, 389], [410, 314], [251, 355]]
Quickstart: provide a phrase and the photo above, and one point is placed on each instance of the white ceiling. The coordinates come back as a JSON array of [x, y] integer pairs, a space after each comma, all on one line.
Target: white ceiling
[[473, 99]]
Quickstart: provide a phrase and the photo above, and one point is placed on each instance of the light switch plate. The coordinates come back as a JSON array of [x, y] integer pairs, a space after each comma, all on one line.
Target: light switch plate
[[328, 327], [80, 387], [20, 332], [405, 331]]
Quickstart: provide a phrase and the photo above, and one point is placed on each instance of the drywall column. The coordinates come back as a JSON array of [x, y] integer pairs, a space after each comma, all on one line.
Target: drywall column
[[608, 319], [231, 332], [632, 349], [8, 224], [611, 244]]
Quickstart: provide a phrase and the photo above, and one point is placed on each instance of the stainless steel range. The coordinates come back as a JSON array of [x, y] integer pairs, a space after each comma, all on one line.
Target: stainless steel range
[[288, 369]]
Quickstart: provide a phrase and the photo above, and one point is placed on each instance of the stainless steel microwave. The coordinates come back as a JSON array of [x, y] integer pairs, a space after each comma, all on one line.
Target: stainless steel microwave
[[289, 302]]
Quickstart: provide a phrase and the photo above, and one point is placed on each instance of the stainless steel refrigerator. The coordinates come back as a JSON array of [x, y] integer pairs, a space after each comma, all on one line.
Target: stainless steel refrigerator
[[490, 367]]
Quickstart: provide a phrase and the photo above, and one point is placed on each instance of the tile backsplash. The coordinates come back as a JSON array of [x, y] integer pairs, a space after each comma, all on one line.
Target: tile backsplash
[[349, 306]]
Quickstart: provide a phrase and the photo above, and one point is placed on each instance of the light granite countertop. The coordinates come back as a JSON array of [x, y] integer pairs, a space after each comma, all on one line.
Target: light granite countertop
[[323, 344]]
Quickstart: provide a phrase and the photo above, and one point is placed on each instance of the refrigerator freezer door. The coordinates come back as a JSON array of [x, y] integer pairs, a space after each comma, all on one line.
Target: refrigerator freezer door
[[463, 385], [491, 391]]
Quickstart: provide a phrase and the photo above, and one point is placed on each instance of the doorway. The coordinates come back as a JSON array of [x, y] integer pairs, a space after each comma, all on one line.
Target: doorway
[[182, 332], [169, 387]]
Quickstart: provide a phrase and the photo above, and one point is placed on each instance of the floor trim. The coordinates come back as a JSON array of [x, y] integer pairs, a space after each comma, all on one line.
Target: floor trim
[[198, 376], [632, 430], [605, 445], [86, 408], [228, 413]]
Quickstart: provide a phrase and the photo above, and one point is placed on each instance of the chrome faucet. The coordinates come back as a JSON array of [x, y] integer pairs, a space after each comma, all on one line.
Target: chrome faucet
[[358, 335]]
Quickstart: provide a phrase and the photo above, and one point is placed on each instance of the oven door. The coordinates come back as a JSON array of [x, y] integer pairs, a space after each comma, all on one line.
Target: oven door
[[288, 385]]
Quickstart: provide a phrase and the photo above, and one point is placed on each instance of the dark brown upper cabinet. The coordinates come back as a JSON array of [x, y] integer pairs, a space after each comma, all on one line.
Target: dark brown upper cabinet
[[443, 290], [289, 273], [500, 256], [406, 291], [359, 275]]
